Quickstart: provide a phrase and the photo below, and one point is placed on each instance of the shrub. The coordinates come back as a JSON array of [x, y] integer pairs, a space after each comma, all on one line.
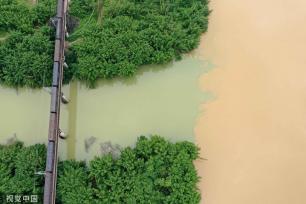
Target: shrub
[[25, 60], [26, 55], [18, 165], [73, 183]]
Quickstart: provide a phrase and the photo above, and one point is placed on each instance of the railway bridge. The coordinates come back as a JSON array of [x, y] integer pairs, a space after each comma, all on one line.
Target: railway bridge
[[59, 21]]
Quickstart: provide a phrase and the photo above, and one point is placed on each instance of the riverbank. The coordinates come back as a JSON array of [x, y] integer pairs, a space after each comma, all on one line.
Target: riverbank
[[160, 100], [253, 134]]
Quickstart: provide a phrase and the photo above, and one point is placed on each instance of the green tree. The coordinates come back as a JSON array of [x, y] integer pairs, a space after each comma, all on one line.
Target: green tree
[[155, 171], [112, 40]]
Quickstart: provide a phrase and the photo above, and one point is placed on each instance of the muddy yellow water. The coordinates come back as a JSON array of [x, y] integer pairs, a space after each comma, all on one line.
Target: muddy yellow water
[[160, 100], [253, 134], [251, 128]]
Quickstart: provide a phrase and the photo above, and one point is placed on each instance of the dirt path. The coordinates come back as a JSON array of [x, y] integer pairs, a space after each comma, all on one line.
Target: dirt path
[[253, 134]]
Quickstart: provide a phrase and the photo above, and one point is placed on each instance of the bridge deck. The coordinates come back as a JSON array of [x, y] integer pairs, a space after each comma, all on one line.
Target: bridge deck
[[56, 93]]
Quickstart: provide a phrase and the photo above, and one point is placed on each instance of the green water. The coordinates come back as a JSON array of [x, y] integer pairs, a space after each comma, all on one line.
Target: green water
[[162, 100]]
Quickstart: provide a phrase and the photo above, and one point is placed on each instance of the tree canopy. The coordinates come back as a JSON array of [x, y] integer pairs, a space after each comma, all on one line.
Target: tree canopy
[[26, 55], [113, 38], [155, 171]]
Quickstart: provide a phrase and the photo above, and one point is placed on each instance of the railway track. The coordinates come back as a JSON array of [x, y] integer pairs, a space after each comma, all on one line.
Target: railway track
[[56, 95]]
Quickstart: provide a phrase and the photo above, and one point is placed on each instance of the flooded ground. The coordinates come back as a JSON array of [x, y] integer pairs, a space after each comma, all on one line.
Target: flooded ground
[[24, 115], [253, 134], [160, 100]]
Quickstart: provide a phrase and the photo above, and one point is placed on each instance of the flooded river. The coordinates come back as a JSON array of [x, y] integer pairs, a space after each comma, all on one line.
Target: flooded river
[[160, 100], [251, 129], [253, 134]]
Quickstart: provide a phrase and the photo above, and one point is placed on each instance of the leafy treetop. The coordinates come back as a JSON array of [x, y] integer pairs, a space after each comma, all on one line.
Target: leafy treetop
[[114, 38], [154, 171]]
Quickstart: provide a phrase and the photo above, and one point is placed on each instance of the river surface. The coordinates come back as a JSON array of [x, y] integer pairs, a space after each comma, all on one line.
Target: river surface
[[161, 100], [253, 134], [250, 126]]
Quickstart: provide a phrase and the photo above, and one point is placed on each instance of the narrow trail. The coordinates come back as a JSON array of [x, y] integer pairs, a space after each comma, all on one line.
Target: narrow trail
[[253, 134]]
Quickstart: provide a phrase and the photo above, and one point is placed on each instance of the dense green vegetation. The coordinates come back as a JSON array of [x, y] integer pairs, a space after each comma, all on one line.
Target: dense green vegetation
[[25, 60], [17, 167], [154, 171], [122, 35], [113, 39], [26, 54]]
